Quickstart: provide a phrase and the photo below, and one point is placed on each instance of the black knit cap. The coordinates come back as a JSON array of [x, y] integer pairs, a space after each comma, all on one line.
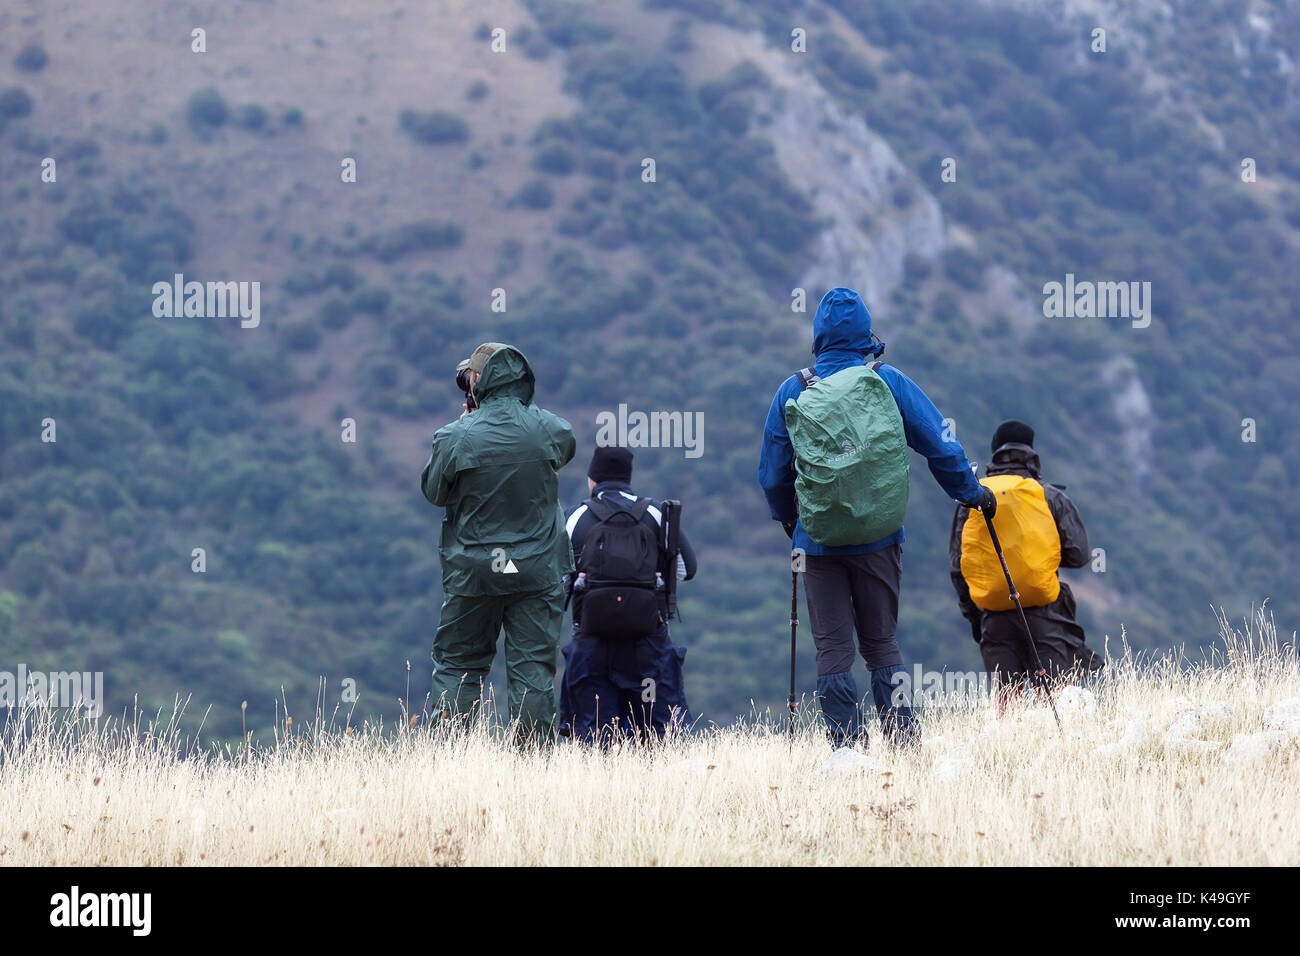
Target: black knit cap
[[610, 463], [1013, 431]]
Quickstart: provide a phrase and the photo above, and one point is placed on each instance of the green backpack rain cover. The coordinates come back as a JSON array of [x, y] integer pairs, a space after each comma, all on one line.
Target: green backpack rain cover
[[850, 458]]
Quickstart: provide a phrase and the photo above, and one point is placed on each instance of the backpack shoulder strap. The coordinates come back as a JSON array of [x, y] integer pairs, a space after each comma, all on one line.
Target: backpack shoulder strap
[[600, 509], [807, 377], [603, 509]]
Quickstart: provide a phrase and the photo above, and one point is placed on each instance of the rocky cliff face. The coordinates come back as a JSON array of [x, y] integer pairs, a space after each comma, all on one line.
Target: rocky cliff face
[[874, 210]]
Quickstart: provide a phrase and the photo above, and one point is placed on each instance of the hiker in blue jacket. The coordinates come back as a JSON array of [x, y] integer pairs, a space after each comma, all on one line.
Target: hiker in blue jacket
[[856, 585]]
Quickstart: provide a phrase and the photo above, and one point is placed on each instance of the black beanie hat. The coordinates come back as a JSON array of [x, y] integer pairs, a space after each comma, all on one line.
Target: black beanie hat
[[1013, 431], [610, 463]]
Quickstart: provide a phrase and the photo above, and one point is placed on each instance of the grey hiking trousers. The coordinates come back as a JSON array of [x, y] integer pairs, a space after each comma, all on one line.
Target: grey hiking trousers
[[848, 592]]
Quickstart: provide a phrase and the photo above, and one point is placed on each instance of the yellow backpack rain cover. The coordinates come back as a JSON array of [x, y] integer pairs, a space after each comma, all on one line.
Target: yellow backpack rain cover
[[1030, 542]]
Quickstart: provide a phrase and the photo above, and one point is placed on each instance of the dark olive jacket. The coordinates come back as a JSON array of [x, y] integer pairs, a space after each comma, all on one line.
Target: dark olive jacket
[[495, 471]]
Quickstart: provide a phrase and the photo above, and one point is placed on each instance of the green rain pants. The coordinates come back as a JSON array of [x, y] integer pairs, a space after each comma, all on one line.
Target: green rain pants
[[466, 642]]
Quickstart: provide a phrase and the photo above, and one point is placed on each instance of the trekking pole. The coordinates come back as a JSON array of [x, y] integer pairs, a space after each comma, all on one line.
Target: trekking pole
[[794, 624], [1041, 672]]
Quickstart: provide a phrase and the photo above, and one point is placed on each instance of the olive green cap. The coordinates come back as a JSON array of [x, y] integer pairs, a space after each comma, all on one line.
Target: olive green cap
[[479, 358]]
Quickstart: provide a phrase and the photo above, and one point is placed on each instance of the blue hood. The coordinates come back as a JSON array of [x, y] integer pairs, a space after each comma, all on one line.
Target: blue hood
[[843, 324]]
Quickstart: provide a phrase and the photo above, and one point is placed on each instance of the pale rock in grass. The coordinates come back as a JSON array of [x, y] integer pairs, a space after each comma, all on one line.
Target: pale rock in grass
[[1216, 710], [1187, 723], [1183, 735], [1077, 702], [1176, 705], [1190, 745], [1136, 733], [1284, 716], [1250, 747], [847, 760], [955, 765]]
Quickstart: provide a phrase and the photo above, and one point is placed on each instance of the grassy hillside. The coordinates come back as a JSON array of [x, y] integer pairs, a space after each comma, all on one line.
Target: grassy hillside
[[522, 171], [1166, 766]]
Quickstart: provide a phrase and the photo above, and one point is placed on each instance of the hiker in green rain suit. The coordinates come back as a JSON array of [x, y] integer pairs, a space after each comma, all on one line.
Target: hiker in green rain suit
[[504, 550]]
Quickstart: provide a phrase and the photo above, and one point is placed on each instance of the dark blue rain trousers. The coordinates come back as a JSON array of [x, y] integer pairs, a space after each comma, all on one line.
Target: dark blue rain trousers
[[616, 689]]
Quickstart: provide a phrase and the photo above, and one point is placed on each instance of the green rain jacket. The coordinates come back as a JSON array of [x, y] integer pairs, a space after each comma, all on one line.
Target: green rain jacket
[[494, 470]]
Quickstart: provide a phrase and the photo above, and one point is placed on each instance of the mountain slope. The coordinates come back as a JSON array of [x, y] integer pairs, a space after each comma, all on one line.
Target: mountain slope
[[522, 171]]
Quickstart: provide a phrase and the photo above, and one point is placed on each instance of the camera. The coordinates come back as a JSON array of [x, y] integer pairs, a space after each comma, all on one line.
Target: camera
[[464, 384]]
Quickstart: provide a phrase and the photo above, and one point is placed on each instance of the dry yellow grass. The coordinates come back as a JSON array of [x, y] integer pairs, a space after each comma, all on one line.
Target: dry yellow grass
[[1177, 788]]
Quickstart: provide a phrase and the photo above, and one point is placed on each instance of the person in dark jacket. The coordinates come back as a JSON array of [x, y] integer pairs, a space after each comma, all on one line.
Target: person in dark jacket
[[503, 548], [614, 688], [1000, 634], [857, 585]]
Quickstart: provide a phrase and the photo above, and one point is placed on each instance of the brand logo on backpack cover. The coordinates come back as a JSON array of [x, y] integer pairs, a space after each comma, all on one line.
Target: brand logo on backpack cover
[[849, 449]]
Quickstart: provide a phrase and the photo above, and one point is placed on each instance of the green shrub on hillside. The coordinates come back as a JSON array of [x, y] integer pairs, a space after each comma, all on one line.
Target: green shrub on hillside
[[251, 116], [342, 275], [302, 337], [32, 58], [206, 109], [535, 194], [531, 42], [556, 158], [15, 103], [372, 299], [424, 235], [336, 313], [435, 128]]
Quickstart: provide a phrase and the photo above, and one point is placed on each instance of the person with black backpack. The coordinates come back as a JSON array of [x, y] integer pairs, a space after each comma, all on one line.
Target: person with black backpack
[[622, 672], [834, 467]]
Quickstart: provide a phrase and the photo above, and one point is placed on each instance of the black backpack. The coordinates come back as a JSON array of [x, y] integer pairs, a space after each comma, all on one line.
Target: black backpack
[[620, 558]]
